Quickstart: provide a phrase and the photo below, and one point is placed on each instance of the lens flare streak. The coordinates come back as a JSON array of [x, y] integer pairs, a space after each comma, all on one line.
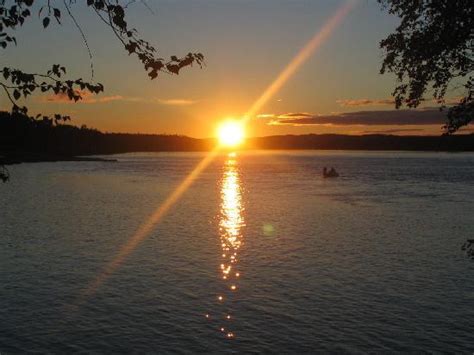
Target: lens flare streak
[[299, 59], [144, 230]]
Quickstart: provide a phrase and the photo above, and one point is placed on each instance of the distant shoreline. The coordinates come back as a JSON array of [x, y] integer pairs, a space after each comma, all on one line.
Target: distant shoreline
[[34, 158], [23, 139], [15, 159]]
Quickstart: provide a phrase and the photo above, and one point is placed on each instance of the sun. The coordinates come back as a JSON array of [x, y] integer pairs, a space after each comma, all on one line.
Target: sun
[[231, 133]]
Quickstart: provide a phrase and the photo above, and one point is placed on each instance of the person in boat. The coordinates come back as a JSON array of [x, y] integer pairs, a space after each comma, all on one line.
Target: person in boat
[[330, 173]]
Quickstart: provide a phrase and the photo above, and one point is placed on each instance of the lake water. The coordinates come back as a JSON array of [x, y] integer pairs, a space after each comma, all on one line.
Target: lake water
[[259, 245]]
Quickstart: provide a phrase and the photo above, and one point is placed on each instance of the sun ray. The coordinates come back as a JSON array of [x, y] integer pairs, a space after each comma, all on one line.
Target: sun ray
[[301, 57], [144, 230]]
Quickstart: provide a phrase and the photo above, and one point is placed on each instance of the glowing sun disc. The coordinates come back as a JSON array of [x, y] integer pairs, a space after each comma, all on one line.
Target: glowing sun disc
[[231, 133]]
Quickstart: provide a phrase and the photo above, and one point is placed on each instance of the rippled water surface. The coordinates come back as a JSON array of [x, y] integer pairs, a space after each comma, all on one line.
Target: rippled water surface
[[260, 254]]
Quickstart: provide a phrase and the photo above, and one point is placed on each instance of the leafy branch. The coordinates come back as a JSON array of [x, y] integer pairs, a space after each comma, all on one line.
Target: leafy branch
[[18, 84], [113, 15], [432, 48], [14, 13]]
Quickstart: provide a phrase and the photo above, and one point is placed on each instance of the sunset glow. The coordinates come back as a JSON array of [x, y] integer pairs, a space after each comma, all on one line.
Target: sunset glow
[[231, 133], [236, 176]]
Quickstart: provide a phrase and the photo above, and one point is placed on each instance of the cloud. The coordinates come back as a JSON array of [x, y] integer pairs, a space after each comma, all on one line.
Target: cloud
[[429, 116], [389, 102], [104, 99], [266, 115], [88, 98], [451, 101], [177, 102], [295, 115], [468, 129], [366, 102], [390, 131]]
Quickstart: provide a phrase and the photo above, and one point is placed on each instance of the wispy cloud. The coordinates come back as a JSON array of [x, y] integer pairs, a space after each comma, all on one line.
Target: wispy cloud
[[468, 129], [451, 101], [88, 98], [366, 102], [177, 102], [294, 115], [391, 131], [389, 102], [428, 116], [266, 115]]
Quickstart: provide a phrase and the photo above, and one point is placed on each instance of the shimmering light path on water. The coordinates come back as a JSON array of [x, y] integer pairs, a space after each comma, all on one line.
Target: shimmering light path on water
[[347, 265], [231, 223], [143, 231]]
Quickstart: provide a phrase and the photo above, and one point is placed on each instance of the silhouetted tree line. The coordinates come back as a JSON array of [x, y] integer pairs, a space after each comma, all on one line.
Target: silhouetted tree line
[[17, 84], [24, 138], [367, 142]]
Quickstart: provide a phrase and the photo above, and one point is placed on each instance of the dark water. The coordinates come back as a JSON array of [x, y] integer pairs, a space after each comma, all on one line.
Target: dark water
[[368, 262]]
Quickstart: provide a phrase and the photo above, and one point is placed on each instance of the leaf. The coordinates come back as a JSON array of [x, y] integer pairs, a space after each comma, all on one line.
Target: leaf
[[57, 15], [99, 4], [46, 22], [153, 74], [173, 68], [16, 94], [131, 47]]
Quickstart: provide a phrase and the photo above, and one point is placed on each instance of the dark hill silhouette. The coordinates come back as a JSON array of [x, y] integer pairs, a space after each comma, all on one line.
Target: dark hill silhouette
[[23, 138], [366, 142]]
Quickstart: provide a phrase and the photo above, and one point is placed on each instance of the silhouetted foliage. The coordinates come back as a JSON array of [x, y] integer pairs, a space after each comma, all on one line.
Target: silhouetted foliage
[[18, 84], [431, 49], [24, 138]]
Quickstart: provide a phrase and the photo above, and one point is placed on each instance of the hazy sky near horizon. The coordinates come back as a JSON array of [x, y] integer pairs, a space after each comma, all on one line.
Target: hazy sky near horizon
[[246, 44]]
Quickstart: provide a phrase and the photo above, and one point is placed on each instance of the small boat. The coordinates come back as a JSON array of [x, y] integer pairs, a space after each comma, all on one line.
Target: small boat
[[469, 243], [332, 173], [468, 247]]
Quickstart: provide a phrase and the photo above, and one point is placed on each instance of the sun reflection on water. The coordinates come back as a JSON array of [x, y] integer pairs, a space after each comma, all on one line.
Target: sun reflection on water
[[231, 222]]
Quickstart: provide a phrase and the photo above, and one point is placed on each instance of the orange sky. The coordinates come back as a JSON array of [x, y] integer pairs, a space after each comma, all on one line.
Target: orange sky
[[333, 86]]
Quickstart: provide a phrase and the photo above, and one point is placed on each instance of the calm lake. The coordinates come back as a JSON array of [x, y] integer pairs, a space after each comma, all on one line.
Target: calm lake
[[260, 254]]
